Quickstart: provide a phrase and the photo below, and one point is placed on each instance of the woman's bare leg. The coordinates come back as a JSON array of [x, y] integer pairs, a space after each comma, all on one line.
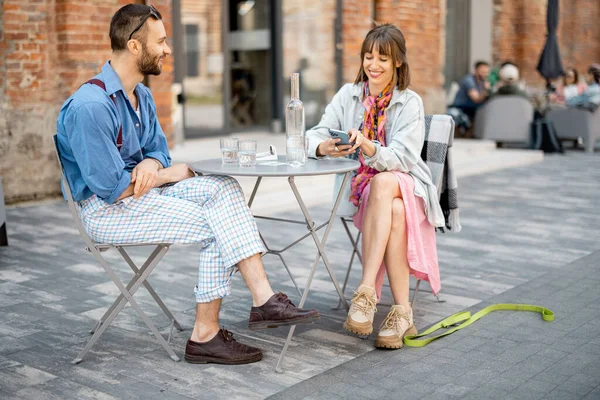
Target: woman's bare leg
[[377, 224], [396, 257]]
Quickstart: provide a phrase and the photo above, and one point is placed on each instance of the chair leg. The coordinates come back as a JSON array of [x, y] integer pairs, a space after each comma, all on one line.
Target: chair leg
[[121, 296], [414, 297], [127, 296], [355, 252], [128, 287], [150, 289]]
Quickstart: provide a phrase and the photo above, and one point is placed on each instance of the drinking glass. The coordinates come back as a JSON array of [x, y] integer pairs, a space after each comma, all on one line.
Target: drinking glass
[[247, 153], [229, 150], [296, 147]]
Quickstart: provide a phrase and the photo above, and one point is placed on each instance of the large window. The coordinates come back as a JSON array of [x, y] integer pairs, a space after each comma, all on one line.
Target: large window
[[192, 50], [250, 67], [203, 80], [457, 40], [309, 48]]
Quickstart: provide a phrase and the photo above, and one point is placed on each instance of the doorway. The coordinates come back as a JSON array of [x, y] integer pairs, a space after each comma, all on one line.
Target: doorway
[[458, 37], [250, 72], [227, 65]]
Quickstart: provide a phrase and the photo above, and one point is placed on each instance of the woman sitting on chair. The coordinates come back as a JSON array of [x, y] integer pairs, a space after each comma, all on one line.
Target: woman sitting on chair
[[394, 202]]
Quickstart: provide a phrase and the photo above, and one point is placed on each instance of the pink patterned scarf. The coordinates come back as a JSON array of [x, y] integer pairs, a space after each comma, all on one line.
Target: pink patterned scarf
[[373, 129]]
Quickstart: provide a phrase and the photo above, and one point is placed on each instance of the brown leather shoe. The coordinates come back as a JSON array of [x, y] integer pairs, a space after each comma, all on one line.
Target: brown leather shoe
[[279, 311], [222, 349]]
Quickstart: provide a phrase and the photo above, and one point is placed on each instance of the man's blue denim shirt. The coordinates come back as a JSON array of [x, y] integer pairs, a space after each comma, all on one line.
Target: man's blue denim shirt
[[88, 126]]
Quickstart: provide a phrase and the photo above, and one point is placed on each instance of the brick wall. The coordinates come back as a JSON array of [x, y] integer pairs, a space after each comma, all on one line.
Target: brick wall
[[27, 96], [357, 21], [520, 33], [422, 23], [48, 48], [579, 33], [161, 85]]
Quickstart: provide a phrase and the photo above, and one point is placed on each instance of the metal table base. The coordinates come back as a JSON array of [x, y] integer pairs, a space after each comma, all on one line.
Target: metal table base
[[282, 169], [312, 228]]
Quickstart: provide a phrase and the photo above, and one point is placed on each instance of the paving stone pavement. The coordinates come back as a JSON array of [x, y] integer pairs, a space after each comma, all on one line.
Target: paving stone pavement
[[529, 235]]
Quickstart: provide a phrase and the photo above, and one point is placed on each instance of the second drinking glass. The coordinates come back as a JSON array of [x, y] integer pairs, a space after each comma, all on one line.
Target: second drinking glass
[[229, 149], [247, 153]]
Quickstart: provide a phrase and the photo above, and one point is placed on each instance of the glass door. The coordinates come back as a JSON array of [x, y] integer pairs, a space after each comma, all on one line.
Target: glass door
[[203, 65], [249, 46], [226, 66], [309, 48]]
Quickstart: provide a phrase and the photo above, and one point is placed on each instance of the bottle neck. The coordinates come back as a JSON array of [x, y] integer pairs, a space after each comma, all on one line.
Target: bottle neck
[[295, 93]]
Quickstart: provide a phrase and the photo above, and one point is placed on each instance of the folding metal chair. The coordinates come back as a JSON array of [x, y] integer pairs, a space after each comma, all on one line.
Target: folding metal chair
[[437, 178], [127, 292]]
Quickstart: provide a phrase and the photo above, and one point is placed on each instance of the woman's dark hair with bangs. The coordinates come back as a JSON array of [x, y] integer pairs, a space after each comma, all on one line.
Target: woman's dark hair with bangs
[[392, 44], [575, 75], [124, 23]]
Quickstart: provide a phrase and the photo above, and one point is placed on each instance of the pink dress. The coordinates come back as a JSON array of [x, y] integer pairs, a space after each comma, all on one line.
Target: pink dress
[[422, 251]]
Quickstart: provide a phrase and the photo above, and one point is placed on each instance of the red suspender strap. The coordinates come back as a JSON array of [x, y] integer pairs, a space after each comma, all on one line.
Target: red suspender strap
[[101, 84]]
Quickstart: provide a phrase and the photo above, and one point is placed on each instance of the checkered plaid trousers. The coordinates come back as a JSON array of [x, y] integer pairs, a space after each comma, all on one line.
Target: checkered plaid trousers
[[206, 210]]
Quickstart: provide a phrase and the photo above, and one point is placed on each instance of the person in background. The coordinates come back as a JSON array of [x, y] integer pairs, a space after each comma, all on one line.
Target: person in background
[[570, 88], [590, 98], [474, 90], [494, 76], [393, 200], [509, 82]]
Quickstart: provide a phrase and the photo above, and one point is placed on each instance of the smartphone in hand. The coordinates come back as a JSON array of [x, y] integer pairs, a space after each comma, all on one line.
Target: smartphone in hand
[[341, 135]]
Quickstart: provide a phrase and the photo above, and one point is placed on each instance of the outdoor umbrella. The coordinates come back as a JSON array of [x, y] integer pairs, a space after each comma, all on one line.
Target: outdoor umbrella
[[550, 65], [543, 134]]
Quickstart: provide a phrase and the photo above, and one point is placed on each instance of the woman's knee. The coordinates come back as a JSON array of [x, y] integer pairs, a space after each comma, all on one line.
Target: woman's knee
[[383, 185], [398, 214]]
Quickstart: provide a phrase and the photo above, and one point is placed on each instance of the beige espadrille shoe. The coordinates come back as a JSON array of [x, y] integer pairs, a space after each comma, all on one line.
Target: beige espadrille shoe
[[362, 311], [397, 324]]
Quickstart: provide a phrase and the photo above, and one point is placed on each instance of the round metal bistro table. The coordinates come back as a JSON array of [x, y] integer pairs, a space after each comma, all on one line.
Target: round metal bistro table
[[270, 169]]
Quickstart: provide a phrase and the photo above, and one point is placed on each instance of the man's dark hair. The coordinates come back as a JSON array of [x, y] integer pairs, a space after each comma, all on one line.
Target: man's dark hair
[[126, 20], [480, 63]]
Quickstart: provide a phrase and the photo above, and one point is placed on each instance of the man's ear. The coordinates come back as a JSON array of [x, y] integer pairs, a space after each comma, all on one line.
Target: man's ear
[[134, 46]]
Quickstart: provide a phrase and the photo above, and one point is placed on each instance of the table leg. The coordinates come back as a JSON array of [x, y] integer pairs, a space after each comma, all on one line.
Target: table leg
[[320, 243], [269, 250], [256, 185]]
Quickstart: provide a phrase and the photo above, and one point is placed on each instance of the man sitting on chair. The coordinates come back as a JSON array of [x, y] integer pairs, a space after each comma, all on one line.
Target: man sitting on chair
[[117, 163]]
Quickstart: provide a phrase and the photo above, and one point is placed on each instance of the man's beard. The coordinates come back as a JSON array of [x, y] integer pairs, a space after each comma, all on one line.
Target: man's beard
[[149, 64]]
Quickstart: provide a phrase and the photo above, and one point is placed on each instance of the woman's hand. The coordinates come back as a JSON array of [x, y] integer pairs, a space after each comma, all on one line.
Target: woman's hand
[[330, 148], [365, 145]]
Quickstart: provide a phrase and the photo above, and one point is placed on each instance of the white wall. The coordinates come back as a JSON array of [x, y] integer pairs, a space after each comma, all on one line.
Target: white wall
[[482, 13]]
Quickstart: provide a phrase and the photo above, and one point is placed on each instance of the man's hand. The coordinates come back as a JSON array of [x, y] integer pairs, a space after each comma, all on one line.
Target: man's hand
[[144, 176], [329, 148], [175, 173]]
